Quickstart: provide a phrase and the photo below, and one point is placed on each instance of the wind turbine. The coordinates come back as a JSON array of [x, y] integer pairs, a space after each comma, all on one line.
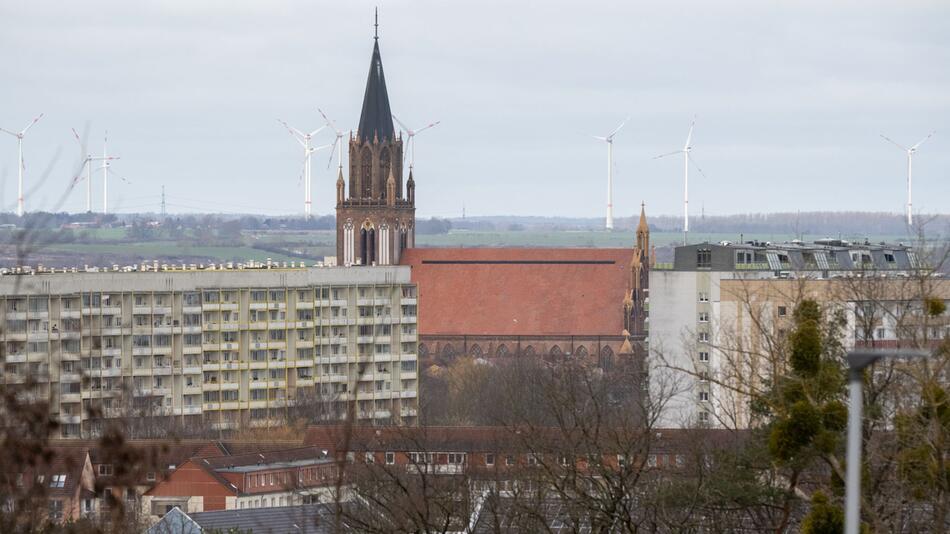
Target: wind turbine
[[87, 165], [106, 171], [910, 160], [338, 144], [19, 146], [609, 139], [308, 149], [412, 135], [687, 158]]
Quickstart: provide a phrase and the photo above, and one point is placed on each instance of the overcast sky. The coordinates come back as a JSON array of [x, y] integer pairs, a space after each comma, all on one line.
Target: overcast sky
[[791, 98]]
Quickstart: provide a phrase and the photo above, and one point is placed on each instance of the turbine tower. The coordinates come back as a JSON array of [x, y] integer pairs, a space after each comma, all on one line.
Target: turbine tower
[[87, 166], [308, 149], [910, 161], [338, 143], [19, 146], [106, 171], [687, 158], [609, 139], [411, 142]]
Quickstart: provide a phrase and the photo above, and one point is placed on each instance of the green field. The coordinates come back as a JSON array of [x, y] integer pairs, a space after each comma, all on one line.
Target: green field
[[166, 249]]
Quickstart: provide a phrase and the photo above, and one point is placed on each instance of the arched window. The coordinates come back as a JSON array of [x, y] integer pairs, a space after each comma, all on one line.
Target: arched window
[[475, 351], [580, 352], [423, 350], [556, 352], [363, 246], [528, 351], [366, 173], [606, 358], [448, 351], [502, 351]]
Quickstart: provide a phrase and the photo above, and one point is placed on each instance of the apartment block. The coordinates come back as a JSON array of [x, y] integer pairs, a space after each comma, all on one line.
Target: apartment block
[[215, 347], [699, 310]]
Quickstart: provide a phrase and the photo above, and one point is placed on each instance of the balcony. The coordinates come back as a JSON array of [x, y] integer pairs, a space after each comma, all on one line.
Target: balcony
[[70, 397], [407, 375], [230, 386], [304, 344], [210, 346], [193, 389], [112, 351], [411, 394], [164, 329], [210, 306], [191, 370], [70, 419], [191, 309], [408, 301], [141, 351], [16, 358], [304, 304], [210, 386], [70, 377], [257, 384], [303, 363], [230, 306], [162, 370], [191, 329], [194, 349], [194, 409], [230, 326], [69, 314]]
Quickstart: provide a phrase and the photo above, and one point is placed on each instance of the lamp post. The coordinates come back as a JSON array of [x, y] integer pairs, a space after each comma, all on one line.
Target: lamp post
[[858, 360]]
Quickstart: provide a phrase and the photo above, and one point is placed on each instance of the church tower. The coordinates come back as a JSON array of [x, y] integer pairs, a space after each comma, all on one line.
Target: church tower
[[635, 306], [375, 214]]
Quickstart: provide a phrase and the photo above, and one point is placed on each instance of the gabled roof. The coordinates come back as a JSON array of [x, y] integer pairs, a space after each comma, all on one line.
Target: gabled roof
[[376, 119], [61, 460], [520, 291], [175, 521]]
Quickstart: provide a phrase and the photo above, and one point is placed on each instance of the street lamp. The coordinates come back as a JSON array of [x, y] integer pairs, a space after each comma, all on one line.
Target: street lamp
[[857, 361]]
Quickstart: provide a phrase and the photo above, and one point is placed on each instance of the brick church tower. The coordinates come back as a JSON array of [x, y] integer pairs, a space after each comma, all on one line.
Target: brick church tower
[[375, 214]]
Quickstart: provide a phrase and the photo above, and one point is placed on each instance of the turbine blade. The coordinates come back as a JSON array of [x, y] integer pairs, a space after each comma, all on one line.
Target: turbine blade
[[14, 134], [669, 154], [30, 125], [693, 161], [689, 136], [599, 138], [321, 147], [426, 127], [293, 131], [330, 123], [333, 151], [895, 143], [924, 140], [617, 129], [318, 130], [117, 175], [404, 127]]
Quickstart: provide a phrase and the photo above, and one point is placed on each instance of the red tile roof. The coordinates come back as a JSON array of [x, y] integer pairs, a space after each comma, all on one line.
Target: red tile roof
[[520, 291]]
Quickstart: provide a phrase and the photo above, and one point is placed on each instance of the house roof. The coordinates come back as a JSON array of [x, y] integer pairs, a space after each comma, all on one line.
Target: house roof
[[520, 291], [305, 519], [270, 459], [63, 460], [175, 521]]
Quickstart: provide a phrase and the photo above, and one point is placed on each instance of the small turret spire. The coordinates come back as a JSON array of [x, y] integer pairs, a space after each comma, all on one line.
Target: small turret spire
[[376, 24]]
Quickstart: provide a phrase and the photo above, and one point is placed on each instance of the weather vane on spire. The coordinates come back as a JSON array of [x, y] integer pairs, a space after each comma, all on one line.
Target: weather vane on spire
[[376, 24]]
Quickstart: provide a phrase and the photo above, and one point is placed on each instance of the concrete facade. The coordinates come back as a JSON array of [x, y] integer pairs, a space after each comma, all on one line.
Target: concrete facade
[[216, 347]]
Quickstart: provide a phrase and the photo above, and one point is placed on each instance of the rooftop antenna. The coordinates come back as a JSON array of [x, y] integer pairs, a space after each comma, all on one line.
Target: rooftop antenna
[[376, 24], [609, 139], [910, 160], [412, 139], [20, 166], [87, 165], [687, 158], [308, 149], [338, 144]]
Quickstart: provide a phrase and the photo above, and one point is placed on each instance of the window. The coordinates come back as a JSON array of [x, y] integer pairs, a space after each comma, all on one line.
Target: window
[[56, 510], [489, 459], [390, 458], [704, 337], [509, 460], [58, 481], [532, 459], [150, 476], [703, 296], [703, 258], [105, 469], [370, 458], [704, 317], [456, 458], [703, 396], [703, 417], [782, 311], [703, 356], [621, 460]]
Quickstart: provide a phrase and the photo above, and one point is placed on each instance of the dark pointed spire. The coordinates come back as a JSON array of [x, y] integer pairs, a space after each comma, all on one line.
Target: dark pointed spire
[[376, 119]]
